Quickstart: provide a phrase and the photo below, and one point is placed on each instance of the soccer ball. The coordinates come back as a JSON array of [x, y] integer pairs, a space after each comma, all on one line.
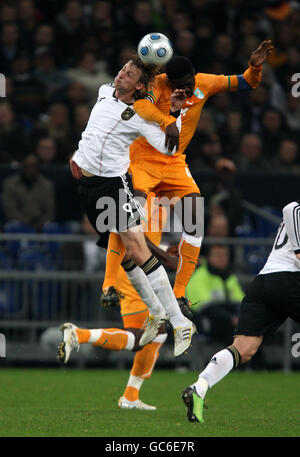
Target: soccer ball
[[155, 48]]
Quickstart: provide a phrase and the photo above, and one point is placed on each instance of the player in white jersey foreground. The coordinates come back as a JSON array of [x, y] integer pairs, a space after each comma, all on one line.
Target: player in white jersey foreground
[[101, 164], [273, 296]]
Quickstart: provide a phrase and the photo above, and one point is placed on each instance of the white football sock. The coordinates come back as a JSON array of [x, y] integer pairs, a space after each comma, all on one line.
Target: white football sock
[[135, 381], [161, 285], [219, 366], [96, 333], [130, 342], [201, 387], [144, 288]]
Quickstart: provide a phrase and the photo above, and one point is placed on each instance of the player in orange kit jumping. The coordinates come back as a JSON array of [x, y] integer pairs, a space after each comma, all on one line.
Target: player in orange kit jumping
[[169, 176]]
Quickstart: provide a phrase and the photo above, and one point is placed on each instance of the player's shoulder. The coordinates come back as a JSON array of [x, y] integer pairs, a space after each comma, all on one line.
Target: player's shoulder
[[209, 82], [159, 86], [292, 206], [204, 77], [161, 78], [106, 89]]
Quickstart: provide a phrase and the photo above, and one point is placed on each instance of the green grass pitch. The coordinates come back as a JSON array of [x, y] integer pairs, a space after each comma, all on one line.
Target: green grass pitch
[[77, 403]]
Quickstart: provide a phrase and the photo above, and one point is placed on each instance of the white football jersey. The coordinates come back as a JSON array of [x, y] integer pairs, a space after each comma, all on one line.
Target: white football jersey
[[287, 242], [113, 125]]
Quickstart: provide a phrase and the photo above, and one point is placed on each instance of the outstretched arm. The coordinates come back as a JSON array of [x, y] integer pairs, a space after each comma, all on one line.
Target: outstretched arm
[[252, 75], [148, 111], [156, 137], [250, 79]]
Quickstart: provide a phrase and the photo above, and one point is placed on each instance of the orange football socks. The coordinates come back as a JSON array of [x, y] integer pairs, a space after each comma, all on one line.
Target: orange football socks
[[188, 256], [144, 360], [114, 257], [142, 368], [83, 335], [114, 339], [132, 393]]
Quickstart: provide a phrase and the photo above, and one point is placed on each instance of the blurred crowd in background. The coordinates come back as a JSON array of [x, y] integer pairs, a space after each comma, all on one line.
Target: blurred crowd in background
[[55, 54]]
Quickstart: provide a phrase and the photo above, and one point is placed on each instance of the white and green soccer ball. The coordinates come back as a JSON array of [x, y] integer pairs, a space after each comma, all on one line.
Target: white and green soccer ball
[[155, 48]]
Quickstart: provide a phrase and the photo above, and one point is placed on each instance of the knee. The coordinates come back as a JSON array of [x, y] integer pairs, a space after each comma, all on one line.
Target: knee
[[247, 351], [192, 238], [132, 249], [126, 258], [137, 250], [247, 355]]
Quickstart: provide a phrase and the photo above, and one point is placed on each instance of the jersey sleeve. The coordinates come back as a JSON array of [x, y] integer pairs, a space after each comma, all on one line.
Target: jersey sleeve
[[219, 83], [155, 136], [250, 79], [146, 107], [291, 218], [148, 111], [101, 91]]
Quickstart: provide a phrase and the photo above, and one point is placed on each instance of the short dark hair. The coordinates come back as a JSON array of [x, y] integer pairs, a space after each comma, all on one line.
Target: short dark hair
[[147, 77], [179, 66]]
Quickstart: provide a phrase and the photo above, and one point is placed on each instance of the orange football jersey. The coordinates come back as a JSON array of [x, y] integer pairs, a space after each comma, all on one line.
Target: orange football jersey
[[205, 86]]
